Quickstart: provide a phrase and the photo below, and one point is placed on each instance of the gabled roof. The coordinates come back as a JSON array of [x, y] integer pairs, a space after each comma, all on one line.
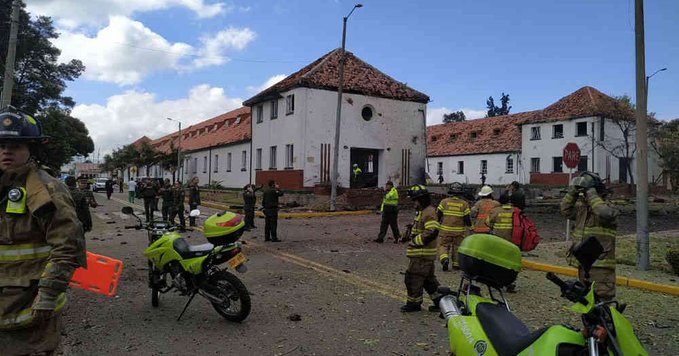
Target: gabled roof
[[497, 134], [359, 78], [229, 128], [140, 141], [587, 102]]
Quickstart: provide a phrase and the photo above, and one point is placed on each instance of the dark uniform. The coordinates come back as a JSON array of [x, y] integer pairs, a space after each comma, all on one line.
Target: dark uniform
[[270, 204], [178, 197], [249, 200], [594, 217], [92, 202], [148, 193], [82, 208], [168, 201], [194, 201]]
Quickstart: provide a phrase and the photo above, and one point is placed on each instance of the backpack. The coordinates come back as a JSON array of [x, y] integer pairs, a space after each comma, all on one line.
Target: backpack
[[524, 233]]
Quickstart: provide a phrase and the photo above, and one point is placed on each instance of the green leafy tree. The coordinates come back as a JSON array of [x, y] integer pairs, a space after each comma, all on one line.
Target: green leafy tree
[[68, 137], [457, 116], [666, 144], [494, 110]]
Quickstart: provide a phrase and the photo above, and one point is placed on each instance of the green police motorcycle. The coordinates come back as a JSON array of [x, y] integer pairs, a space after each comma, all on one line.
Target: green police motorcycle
[[193, 270], [485, 326]]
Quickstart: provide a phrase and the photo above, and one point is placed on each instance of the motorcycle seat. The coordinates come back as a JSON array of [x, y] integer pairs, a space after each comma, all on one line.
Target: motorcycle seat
[[191, 251], [508, 335]]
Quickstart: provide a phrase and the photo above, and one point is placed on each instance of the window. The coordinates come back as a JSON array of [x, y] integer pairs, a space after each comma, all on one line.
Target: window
[[367, 113], [260, 113], [434, 138], [258, 159], [439, 168], [557, 164], [473, 135], [186, 166], [581, 129], [274, 109], [272, 157], [582, 165], [497, 131], [601, 129], [460, 167], [371, 164], [452, 137], [535, 133], [237, 120], [509, 165], [216, 165], [204, 164], [228, 162], [195, 165], [244, 161], [557, 131], [535, 165], [290, 104], [484, 166], [289, 156]]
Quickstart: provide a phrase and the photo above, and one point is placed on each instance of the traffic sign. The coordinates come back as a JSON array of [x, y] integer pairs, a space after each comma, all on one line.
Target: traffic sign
[[571, 155]]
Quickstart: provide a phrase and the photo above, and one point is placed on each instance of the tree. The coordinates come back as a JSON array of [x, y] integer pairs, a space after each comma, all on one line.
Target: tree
[[457, 116], [39, 83], [666, 145], [493, 110], [622, 146]]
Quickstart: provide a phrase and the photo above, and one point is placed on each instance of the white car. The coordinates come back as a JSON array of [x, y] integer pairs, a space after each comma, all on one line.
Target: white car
[[99, 184]]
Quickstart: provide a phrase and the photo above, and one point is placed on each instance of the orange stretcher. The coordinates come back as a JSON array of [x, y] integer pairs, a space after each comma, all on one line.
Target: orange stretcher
[[101, 275]]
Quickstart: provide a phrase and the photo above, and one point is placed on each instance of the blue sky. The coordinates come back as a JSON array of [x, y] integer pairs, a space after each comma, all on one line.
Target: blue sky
[[193, 59]]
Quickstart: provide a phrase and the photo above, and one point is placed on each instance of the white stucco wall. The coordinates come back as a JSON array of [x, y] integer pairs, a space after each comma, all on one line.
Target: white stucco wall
[[605, 163], [216, 170], [395, 125], [496, 168]]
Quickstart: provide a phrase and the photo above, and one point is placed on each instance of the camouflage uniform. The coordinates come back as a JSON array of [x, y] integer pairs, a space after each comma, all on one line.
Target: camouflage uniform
[[594, 217], [41, 244], [422, 254], [178, 206], [82, 208]]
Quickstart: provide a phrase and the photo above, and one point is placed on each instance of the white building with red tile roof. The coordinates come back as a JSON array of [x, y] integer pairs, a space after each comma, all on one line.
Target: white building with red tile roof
[[528, 147]]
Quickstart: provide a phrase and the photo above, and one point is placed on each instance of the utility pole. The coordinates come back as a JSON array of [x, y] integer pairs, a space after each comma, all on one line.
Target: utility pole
[[8, 83], [643, 257]]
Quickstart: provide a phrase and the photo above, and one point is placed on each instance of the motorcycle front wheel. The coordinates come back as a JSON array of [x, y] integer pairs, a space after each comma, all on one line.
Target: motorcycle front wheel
[[236, 305], [154, 276]]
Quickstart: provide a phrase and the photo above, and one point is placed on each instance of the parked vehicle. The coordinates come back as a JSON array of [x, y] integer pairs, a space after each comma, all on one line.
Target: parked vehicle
[[479, 325], [99, 184], [195, 269]]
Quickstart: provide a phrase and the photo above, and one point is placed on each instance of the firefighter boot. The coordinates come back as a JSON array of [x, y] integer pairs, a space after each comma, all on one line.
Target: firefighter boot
[[411, 307], [435, 306]]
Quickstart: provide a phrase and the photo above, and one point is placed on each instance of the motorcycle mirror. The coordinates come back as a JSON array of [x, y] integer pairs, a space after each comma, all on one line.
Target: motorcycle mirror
[[587, 252], [127, 210], [194, 213]]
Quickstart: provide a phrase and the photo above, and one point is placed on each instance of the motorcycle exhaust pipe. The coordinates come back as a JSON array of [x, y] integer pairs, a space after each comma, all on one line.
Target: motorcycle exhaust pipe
[[448, 306]]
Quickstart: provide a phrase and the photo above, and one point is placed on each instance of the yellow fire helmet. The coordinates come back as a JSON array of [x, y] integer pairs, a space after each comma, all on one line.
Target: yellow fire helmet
[[224, 228]]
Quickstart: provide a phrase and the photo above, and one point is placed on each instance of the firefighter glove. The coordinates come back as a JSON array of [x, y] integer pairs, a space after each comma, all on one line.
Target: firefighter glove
[[44, 304]]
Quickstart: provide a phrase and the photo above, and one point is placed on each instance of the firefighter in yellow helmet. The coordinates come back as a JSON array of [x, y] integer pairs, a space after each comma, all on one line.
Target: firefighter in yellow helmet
[[41, 242], [454, 215], [482, 208], [586, 204], [422, 252]]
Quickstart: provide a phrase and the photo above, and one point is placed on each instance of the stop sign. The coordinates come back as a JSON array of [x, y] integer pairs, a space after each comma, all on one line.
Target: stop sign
[[571, 155]]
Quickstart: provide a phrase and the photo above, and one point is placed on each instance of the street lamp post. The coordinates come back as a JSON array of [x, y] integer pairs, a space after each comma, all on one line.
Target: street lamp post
[[648, 78], [335, 162], [179, 149]]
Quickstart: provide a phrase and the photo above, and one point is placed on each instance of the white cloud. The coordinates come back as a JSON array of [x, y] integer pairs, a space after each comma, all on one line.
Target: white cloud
[[133, 114], [73, 13], [213, 47], [435, 115], [269, 82], [126, 51]]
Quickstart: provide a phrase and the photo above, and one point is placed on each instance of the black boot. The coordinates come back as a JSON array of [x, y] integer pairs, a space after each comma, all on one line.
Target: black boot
[[444, 264], [410, 307], [435, 306], [379, 240]]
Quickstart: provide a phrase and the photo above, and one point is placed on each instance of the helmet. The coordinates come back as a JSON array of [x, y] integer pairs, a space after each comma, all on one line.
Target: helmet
[[223, 228], [485, 191], [417, 191], [455, 188], [355, 165], [16, 126], [587, 180]]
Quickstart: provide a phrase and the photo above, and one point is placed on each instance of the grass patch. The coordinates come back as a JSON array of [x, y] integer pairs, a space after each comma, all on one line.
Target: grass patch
[[626, 251]]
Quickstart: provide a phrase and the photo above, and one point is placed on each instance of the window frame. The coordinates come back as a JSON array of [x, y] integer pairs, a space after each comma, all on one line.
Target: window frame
[[215, 169], [577, 128], [556, 159], [228, 161], [554, 131], [535, 162], [244, 161], [535, 133], [289, 156], [484, 166], [460, 167], [258, 159], [273, 152], [509, 165], [260, 113], [290, 104], [274, 110], [439, 168]]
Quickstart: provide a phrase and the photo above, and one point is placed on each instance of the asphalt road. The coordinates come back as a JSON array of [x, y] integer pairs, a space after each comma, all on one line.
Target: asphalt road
[[346, 290]]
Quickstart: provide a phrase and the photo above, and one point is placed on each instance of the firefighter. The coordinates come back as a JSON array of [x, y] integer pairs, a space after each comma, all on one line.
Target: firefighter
[[389, 210], [177, 208], [453, 213], [422, 252], [500, 222], [82, 207], [41, 242], [586, 203], [168, 199], [481, 210]]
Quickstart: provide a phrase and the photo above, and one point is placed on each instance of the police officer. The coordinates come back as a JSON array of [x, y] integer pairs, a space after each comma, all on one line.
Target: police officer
[[270, 204], [178, 197], [586, 203], [41, 242], [454, 215], [148, 193], [249, 200], [422, 252], [194, 198], [389, 211], [168, 199], [82, 207]]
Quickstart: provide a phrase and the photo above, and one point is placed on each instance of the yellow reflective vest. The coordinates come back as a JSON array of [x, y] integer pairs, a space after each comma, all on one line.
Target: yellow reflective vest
[[391, 198]]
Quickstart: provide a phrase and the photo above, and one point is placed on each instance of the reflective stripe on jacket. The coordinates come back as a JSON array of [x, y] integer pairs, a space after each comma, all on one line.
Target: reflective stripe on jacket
[[480, 211], [454, 211], [24, 317], [501, 221], [424, 241], [391, 198]]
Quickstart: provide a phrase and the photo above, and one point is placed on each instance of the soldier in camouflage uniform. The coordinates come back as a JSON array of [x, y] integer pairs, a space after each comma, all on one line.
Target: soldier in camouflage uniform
[[167, 194], [91, 201], [178, 197], [82, 207], [41, 242]]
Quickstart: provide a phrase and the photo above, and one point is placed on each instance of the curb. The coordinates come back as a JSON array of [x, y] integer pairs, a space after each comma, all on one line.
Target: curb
[[305, 215], [619, 280]]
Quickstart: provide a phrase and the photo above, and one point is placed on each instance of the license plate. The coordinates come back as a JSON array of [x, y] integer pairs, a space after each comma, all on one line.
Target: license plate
[[236, 260]]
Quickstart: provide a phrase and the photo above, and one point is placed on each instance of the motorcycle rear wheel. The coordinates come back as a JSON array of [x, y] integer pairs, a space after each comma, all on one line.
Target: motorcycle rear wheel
[[229, 287]]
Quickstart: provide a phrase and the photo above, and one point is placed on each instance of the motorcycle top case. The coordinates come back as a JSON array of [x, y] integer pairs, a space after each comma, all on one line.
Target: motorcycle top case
[[223, 228], [489, 259]]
